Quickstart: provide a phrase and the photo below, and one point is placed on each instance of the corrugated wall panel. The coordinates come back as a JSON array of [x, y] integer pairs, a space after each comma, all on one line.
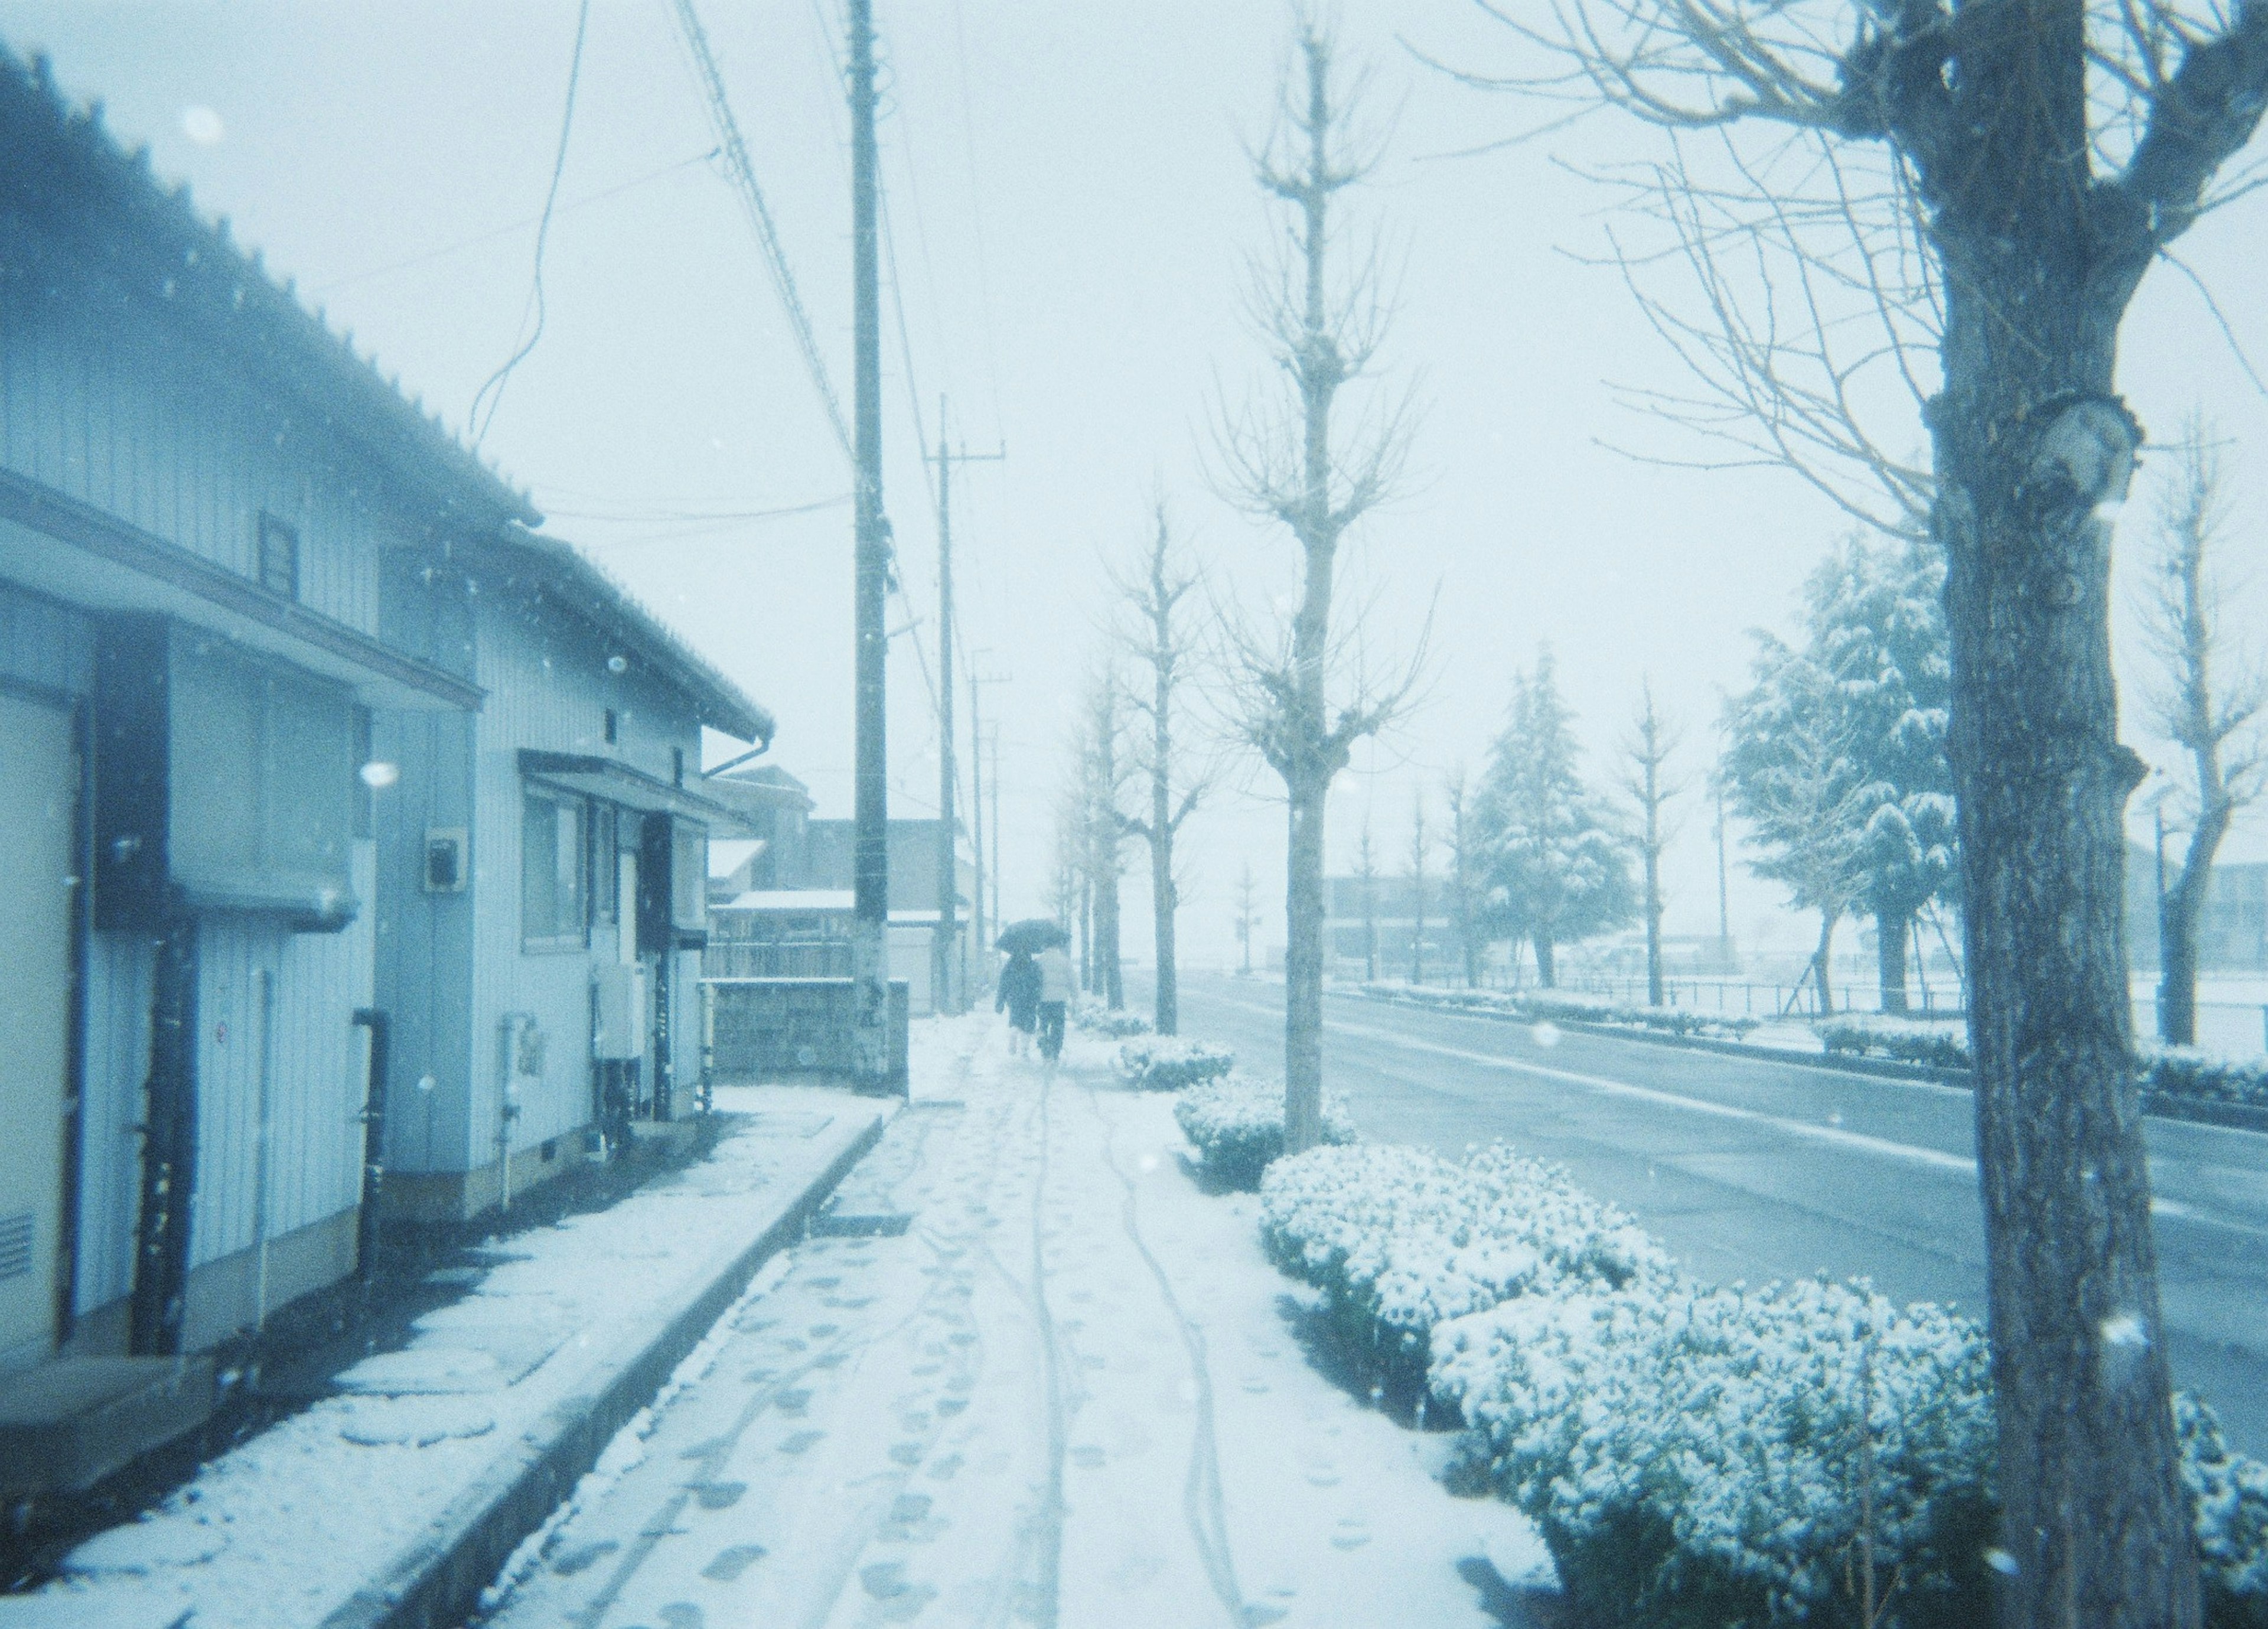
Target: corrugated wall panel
[[119, 967], [315, 1062]]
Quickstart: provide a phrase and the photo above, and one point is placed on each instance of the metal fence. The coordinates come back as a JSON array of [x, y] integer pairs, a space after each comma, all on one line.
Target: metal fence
[[762, 958]]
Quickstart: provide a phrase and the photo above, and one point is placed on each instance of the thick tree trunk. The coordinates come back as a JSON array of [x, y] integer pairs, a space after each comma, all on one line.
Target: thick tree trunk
[[1303, 971], [1822, 961], [1110, 974], [2029, 444], [1891, 933], [2177, 928], [1546, 976]]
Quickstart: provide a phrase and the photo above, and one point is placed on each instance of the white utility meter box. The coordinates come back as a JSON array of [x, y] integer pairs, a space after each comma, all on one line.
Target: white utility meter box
[[618, 1011]]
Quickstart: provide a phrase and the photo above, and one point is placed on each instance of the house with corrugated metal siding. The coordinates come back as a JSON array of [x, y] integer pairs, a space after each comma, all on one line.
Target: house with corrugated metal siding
[[234, 563], [544, 873]]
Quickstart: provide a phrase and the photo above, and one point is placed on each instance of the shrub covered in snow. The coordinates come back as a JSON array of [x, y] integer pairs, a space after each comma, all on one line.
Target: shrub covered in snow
[[1400, 1241], [1699, 1457], [1941, 1043], [2184, 1071], [2229, 1494], [1098, 1017], [1237, 1124], [1168, 1063]]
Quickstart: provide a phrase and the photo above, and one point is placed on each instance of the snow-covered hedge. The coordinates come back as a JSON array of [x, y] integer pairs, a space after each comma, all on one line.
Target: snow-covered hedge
[[1400, 1241], [1698, 1457], [1237, 1124], [1098, 1017], [2184, 1071], [2174, 1070], [1941, 1043], [1168, 1063], [2230, 1496], [1565, 1007]]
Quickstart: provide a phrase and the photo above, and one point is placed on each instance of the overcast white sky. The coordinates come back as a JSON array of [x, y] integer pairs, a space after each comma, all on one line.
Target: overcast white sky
[[1072, 207]]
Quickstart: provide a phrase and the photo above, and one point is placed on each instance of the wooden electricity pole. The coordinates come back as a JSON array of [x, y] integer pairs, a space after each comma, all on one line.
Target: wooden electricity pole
[[948, 848], [871, 848]]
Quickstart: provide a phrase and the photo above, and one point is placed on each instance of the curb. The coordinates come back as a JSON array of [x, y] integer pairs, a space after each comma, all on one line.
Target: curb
[[2156, 1105], [439, 1582]]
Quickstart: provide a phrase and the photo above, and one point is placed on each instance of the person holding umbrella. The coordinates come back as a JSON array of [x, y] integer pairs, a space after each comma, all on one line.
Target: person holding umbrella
[[1018, 997], [1037, 944]]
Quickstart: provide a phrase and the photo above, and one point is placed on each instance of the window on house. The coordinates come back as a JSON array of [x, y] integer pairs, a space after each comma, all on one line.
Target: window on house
[[604, 885], [279, 557], [614, 726], [677, 765], [552, 865]]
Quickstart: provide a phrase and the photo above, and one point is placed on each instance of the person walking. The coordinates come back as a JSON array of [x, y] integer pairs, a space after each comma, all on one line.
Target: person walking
[[1018, 997], [1057, 985]]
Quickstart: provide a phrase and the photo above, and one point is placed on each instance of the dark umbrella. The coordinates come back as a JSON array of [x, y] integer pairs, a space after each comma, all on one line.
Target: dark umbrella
[[1031, 934]]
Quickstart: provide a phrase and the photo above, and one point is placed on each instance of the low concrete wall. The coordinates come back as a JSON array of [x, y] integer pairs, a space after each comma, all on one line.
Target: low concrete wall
[[778, 1030]]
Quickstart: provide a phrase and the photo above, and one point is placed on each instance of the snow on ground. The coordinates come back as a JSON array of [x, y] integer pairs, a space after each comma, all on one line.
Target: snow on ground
[[1069, 1394], [282, 1531]]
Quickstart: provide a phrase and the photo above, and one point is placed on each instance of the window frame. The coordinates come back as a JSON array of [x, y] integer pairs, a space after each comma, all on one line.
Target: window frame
[[577, 872], [275, 530]]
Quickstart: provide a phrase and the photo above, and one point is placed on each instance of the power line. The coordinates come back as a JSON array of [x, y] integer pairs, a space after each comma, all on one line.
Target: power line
[[476, 421], [743, 176], [505, 231]]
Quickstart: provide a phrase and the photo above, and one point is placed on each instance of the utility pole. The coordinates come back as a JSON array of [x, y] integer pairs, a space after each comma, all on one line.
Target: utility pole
[[994, 778], [948, 848], [870, 851], [977, 942]]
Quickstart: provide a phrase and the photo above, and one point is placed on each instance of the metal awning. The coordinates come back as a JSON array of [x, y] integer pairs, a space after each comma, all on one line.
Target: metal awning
[[56, 545], [611, 781]]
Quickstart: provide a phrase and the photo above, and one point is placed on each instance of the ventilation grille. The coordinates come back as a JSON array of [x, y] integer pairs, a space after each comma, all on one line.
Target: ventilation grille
[[15, 1245]]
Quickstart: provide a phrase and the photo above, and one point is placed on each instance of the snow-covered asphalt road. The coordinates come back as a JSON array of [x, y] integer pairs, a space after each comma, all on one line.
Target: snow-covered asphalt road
[[1071, 1393], [1755, 1169]]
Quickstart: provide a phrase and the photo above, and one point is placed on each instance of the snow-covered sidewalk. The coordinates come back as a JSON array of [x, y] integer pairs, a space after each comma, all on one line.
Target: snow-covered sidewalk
[[358, 1503], [1070, 1393]]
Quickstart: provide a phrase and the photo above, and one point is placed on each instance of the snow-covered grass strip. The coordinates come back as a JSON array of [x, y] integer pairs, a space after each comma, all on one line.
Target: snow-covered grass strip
[[1566, 1006], [1168, 1063], [1237, 1124]]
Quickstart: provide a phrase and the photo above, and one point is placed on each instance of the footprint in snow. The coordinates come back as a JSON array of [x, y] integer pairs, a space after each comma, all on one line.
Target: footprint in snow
[[906, 1453], [567, 1563], [718, 1495], [732, 1561], [1351, 1533], [800, 1442]]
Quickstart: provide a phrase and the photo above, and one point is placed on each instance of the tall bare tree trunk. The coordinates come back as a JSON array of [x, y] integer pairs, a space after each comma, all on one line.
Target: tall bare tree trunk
[[2030, 441], [1891, 933], [1547, 975], [1303, 969]]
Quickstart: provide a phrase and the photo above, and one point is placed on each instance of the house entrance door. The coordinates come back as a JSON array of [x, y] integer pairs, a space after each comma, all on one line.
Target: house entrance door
[[38, 799]]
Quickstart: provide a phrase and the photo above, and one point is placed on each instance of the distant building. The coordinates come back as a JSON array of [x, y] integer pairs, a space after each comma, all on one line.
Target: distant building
[[2232, 930], [793, 918], [1391, 910], [775, 809]]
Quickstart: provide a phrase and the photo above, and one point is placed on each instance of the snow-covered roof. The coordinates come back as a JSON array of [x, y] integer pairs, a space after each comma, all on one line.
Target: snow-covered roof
[[789, 899]]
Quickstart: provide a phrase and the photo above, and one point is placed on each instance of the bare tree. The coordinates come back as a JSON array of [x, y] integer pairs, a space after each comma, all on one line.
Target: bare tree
[[1159, 641], [1304, 694], [1366, 878], [1103, 773], [2039, 156], [1465, 877], [2210, 713], [1421, 847], [1247, 915], [1652, 740]]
